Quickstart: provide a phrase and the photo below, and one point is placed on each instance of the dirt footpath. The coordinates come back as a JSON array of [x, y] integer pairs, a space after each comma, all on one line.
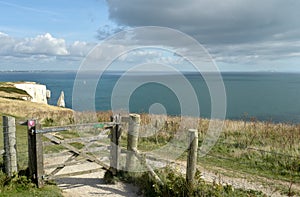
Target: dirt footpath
[[93, 185]]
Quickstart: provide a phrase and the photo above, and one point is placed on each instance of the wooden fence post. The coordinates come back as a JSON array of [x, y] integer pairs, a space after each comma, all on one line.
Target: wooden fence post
[[192, 157], [10, 152], [114, 144], [132, 141], [35, 153]]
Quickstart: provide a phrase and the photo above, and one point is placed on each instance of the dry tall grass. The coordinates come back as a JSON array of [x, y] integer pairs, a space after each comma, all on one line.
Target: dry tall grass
[[30, 110]]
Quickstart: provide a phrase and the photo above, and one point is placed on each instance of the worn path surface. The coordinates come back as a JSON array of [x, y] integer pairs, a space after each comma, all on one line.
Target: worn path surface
[[87, 185], [93, 185]]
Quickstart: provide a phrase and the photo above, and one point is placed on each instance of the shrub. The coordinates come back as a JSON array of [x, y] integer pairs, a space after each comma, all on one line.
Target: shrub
[[174, 184]]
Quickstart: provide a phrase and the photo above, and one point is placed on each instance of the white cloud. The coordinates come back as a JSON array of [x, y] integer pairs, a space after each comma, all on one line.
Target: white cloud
[[42, 44], [40, 51], [3, 34], [79, 48], [7, 44]]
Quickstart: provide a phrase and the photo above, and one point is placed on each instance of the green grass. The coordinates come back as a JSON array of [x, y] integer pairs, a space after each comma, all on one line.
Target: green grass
[[77, 145], [55, 148], [264, 156], [175, 185], [47, 191], [18, 185], [22, 144], [69, 134]]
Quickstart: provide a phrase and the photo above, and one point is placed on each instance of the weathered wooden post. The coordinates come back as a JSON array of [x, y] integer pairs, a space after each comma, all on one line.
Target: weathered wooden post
[[10, 152], [132, 140], [35, 153], [192, 157], [114, 144]]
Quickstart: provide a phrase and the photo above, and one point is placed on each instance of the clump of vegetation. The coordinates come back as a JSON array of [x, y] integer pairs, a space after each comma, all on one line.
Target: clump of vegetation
[[48, 122], [15, 182], [174, 184], [18, 185]]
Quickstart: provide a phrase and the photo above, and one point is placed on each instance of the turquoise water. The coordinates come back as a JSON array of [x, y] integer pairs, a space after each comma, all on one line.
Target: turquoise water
[[265, 96]]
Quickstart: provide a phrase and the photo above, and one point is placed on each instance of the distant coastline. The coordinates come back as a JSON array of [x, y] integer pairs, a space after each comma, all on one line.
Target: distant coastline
[[158, 72]]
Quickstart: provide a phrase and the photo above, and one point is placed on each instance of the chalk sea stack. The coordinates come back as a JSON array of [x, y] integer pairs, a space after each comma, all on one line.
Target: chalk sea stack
[[61, 100]]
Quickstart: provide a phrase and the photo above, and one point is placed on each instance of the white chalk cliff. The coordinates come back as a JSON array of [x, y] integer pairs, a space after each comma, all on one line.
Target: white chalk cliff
[[38, 92]]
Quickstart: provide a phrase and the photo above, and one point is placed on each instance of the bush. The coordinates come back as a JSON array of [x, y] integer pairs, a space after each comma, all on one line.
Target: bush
[[14, 182], [20, 185], [174, 184]]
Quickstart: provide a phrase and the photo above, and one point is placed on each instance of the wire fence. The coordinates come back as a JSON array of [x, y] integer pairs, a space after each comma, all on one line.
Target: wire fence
[[22, 149], [14, 134], [283, 165]]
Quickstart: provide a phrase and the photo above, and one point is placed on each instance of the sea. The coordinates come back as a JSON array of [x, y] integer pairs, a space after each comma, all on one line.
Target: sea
[[265, 96]]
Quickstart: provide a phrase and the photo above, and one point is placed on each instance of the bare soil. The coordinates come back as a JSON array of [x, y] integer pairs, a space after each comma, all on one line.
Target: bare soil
[[94, 185]]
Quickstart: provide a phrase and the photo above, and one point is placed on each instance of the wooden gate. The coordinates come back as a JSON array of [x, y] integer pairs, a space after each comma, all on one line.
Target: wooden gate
[[69, 150], [76, 145]]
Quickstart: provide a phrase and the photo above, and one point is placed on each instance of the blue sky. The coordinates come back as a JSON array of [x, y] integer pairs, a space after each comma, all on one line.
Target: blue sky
[[71, 20], [248, 35]]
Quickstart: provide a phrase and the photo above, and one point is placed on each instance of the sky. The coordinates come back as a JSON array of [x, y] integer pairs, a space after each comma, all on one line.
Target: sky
[[239, 35]]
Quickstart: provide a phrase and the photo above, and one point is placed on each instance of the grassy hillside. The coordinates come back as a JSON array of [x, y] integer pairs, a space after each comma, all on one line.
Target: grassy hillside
[[11, 103], [27, 109]]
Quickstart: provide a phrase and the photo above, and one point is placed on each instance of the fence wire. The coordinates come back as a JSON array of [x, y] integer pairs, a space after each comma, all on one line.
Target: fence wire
[[21, 145], [250, 159]]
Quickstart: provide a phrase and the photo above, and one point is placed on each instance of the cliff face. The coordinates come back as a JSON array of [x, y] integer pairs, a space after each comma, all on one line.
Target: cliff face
[[18, 102], [37, 92]]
